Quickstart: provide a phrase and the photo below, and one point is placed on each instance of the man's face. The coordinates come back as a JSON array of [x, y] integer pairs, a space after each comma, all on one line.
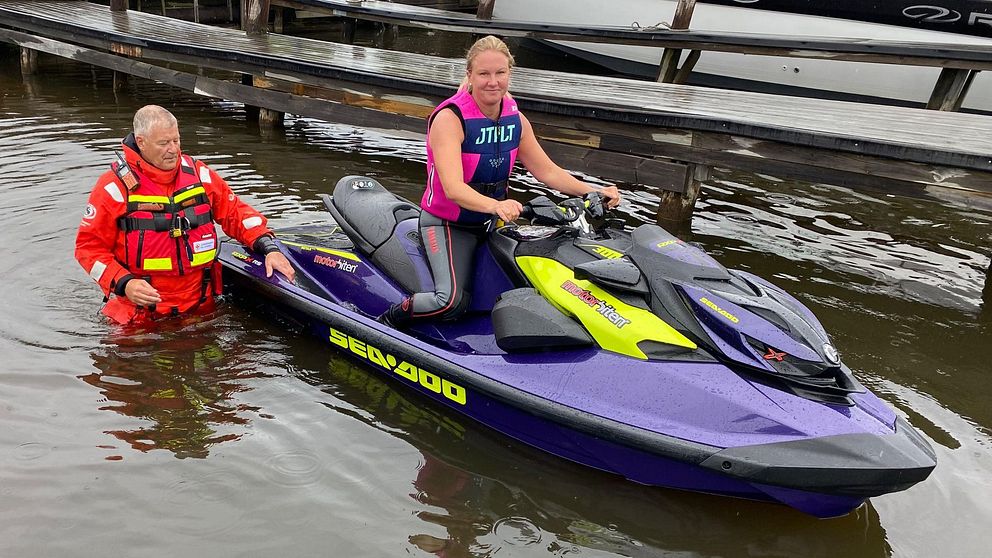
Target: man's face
[[160, 146]]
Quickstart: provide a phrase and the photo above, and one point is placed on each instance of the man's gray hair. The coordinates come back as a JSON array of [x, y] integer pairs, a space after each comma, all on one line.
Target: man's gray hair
[[150, 116]]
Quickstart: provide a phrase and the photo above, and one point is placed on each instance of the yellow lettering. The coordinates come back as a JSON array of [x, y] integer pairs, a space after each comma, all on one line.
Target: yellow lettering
[[373, 354], [376, 356], [453, 392], [338, 338], [407, 370], [607, 253], [357, 347], [430, 381], [719, 310]]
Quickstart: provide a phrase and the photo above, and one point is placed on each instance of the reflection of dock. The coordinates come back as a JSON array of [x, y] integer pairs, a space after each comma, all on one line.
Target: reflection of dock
[[661, 135]]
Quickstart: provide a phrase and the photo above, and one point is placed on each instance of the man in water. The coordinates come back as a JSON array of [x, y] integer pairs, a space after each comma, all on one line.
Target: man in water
[[148, 237]]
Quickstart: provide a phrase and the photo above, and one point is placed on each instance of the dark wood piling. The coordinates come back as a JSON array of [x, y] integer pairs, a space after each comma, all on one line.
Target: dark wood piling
[[669, 70], [29, 61], [255, 21]]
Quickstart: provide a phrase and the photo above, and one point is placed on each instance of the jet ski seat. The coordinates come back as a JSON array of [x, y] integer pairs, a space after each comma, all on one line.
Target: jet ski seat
[[371, 215]]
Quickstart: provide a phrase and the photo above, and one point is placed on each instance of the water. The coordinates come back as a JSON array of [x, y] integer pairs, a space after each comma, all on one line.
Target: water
[[227, 436]]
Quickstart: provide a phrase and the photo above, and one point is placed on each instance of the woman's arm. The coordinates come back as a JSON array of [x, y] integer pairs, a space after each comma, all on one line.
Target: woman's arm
[[446, 137], [533, 157]]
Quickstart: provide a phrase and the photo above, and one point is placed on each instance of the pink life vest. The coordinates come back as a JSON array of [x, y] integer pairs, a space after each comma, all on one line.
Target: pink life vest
[[488, 154]]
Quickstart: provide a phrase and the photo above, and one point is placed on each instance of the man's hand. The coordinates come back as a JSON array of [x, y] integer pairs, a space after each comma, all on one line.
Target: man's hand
[[275, 261], [141, 292]]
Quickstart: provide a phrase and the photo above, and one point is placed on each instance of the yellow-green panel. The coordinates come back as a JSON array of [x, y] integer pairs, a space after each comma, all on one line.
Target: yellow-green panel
[[616, 325]]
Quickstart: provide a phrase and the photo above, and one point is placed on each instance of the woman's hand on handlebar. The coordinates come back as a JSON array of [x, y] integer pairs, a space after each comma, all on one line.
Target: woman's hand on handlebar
[[508, 210], [612, 196]]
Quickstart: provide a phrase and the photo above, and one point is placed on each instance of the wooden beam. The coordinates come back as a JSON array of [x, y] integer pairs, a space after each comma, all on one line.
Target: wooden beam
[[668, 70], [951, 88], [255, 17], [485, 10]]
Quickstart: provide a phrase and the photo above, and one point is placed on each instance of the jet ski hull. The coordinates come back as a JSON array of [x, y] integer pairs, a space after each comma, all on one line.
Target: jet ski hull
[[682, 424]]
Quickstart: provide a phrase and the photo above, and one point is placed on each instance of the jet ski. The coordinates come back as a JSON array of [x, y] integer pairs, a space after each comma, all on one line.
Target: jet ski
[[630, 351]]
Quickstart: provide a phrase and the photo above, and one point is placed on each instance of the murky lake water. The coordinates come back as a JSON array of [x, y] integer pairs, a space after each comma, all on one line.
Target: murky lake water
[[227, 436]]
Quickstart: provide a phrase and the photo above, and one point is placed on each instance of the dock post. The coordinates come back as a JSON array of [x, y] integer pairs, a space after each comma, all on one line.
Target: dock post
[[669, 68], [386, 35], [118, 5], [255, 17], [675, 208], [278, 19], [120, 81], [485, 10], [29, 61], [268, 118], [348, 27], [251, 112], [951, 88]]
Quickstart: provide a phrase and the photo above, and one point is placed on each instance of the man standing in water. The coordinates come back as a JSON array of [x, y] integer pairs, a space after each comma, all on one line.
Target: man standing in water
[[148, 237]]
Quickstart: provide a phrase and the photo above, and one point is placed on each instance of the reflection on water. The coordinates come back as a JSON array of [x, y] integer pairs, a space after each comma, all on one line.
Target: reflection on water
[[488, 494], [179, 379]]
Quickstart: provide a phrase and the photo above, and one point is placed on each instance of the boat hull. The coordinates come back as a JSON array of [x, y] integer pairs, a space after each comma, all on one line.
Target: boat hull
[[894, 84]]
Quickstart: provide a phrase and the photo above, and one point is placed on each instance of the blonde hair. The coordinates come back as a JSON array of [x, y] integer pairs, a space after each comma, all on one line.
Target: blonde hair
[[487, 43]]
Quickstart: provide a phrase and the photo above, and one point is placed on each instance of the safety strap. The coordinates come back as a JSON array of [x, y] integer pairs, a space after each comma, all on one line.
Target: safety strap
[[161, 223]]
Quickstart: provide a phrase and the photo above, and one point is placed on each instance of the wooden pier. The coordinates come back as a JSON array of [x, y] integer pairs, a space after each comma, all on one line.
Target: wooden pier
[[663, 135]]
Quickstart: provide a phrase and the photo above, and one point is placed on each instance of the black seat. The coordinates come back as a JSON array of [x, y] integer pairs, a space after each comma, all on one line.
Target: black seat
[[369, 214]]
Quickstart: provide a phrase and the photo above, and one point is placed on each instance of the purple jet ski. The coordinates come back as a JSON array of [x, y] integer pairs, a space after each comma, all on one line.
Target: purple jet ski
[[629, 351]]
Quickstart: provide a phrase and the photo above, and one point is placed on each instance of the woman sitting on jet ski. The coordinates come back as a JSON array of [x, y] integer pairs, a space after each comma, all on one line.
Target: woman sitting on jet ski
[[473, 140]]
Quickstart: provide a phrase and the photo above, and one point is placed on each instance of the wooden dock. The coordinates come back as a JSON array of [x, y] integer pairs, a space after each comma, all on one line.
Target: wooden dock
[[662, 135]]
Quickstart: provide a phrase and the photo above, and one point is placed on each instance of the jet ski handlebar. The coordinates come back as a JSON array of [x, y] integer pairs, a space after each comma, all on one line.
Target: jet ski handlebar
[[542, 211]]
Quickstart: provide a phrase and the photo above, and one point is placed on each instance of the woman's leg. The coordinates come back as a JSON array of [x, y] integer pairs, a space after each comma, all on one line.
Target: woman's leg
[[450, 253]]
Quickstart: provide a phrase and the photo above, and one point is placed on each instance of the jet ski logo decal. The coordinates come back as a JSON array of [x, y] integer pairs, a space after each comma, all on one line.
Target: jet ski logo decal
[[601, 251], [335, 263], [719, 310], [601, 306], [772, 354], [246, 258], [433, 382]]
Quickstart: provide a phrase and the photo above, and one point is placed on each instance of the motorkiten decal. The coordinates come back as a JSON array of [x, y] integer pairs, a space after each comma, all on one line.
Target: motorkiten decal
[[450, 390], [602, 307], [335, 263]]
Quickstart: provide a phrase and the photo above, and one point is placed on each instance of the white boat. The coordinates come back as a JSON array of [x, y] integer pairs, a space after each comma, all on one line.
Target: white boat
[[954, 22]]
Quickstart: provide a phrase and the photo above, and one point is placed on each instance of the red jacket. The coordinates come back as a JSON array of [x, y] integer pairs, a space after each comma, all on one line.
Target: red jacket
[[100, 246]]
